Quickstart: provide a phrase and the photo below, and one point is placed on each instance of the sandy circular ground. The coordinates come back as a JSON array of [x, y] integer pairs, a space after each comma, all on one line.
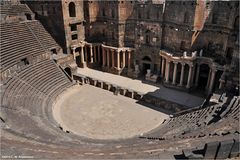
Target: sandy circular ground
[[98, 114]]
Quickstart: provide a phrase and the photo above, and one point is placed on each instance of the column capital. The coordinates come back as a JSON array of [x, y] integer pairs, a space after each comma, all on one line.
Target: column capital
[[183, 64], [175, 62], [167, 60], [74, 49], [214, 69]]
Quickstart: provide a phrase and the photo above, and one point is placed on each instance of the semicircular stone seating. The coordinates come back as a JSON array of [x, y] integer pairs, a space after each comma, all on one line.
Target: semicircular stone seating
[[28, 95]]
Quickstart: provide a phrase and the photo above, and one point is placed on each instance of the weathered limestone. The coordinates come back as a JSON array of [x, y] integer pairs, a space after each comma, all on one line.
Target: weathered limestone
[[103, 57], [129, 60], [123, 62], [91, 54], [113, 65], [213, 73], [108, 58], [174, 73], [167, 71], [189, 76], [82, 55], [118, 60], [162, 71]]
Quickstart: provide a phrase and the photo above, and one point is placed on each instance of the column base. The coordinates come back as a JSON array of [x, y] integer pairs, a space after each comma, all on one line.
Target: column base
[[83, 65], [179, 85]]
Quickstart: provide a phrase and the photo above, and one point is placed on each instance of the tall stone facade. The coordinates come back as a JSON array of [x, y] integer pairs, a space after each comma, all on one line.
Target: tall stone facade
[[187, 44], [63, 19]]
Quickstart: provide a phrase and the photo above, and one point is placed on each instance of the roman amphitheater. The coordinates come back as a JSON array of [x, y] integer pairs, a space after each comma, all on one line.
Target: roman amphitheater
[[120, 79]]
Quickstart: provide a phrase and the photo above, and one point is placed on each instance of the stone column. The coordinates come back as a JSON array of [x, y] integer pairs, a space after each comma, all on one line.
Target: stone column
[[95, 54], [213, 73], [174, 73], [162, 72], [129, 60], [74, 53], [167, 71], [182, 74], [209, 78], [189, 76], [103, 57], [118, 60], [123, 62], [85, 52], [113, 65], [99, 56], [108, 58], [82, 55], [91, 54], [197, 74]]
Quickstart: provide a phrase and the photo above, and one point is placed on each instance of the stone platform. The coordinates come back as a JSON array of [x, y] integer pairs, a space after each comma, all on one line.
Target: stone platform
[[160, 91], [95, 113]]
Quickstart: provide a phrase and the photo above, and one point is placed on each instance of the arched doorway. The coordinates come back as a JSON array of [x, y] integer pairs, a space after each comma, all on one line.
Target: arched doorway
[[203, 76], [68, 71], [146, 64]]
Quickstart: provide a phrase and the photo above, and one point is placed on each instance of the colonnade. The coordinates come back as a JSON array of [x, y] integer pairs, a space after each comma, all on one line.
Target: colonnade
[[111, 58], [192, 75], [105, 56]]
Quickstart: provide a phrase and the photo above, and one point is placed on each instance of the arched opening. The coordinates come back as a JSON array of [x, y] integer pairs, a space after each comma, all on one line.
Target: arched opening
[[68, 71], [203, 76], [72, 10]]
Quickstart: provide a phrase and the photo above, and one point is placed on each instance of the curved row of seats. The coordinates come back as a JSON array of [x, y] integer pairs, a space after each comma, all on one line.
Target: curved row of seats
[[29, 95], [203, 122], [25, 97], [32, 85], [13, 10], [43, 36], [17, 42], [22, 39]]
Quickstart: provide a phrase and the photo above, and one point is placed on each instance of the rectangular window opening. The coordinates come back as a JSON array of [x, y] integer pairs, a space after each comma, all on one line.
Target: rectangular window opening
[[74, 37]]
